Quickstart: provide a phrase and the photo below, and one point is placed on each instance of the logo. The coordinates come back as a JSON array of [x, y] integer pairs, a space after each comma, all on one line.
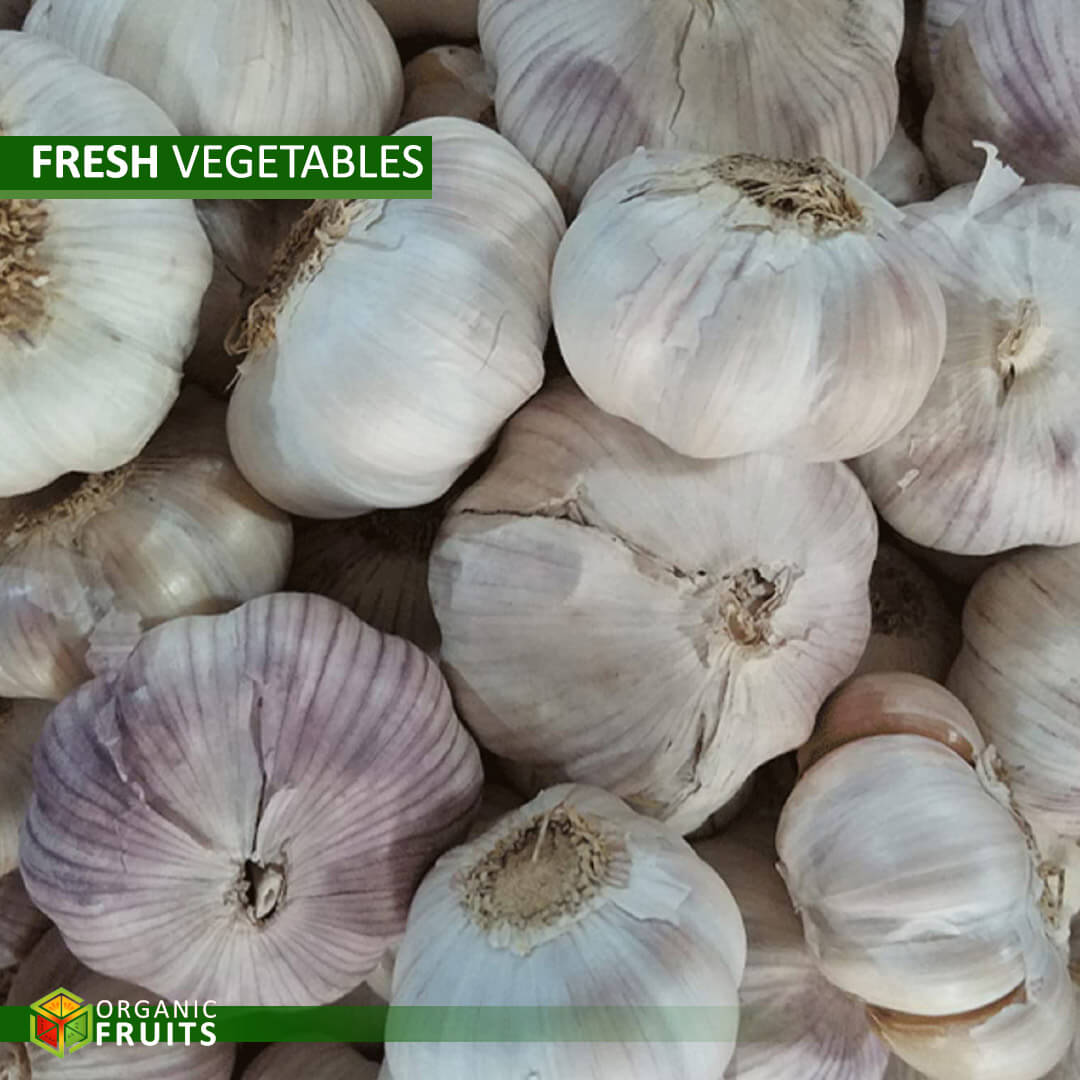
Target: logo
[[61, 1022]]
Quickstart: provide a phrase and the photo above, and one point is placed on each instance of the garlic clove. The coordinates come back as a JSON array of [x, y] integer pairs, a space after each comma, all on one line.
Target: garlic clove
[[449, 80], [573, 901], [313, 1061], [413, 18], [652, 285], [176, 532], [902, 176], [350, 399], [990, 461], [20, 727], [115, 282], [582, 83], [618, 615], [233, 68], [248, 803]]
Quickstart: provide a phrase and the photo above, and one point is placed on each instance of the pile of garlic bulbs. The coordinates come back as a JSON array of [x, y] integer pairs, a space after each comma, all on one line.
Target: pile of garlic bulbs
[[622, 612]]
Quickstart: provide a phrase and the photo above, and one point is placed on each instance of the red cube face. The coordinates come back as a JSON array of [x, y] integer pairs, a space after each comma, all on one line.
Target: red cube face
[[48, 1031]]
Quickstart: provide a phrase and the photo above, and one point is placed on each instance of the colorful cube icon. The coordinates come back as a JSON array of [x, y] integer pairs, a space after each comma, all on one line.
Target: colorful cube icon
[[61, 1022]]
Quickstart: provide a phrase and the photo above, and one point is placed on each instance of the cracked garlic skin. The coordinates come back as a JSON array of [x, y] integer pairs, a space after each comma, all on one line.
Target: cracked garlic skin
[[99, 298], [574, 902], [991, 460], [582, 83], [397, 336], [241, 68], [615, 614], [312, 1061], [243, 809], [793, 1023], [1006, 73], [744, 304], [51, 965], [90, 561], [1018, 673]]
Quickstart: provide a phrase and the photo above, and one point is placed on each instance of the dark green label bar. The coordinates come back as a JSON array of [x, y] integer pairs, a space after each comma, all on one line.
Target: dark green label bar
[[193, 168]]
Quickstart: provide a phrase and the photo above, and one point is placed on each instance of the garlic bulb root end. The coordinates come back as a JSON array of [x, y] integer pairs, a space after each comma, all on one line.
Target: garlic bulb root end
[[22, 228]]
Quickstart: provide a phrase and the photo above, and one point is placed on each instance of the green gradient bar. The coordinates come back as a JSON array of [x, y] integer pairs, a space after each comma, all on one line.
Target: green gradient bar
[[195, 168]]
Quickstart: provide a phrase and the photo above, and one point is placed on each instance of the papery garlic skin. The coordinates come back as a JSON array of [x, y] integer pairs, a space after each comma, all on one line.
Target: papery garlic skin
[[50, 966], [398, 336], [444, 18], [20, 727], [902, 176], [242, 810], [233, 68], [615, 614], [98, 297], [89, 563], [312, 1061], [582, 83], [991, 460], [1018, 672], [449, 80], [912, 628], [573, 902], [1006, 73], [740, 304]]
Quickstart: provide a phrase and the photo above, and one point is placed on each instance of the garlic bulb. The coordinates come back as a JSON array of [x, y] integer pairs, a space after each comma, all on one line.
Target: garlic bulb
[[243, 810], [912, 628], [573, 902], [396, 337], [50, 966], [444, 18], [794, 1023], [21, 928], [940, 17], [245, 235], [98, 297], [582, 83], [237, 68], [20, 727], [313, 1061], [617, 615], [902, 176], [12, 13], [991, 460], [377, 566], [1018, 672], [656, 288], [1006, 73], [449, 80], [90, 561]]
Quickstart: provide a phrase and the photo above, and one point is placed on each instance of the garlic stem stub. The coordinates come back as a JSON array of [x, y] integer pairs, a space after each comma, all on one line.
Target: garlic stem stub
[[20, 727], [99, 298], [51, 966], [582, 83], [449, 80], [241, 68], [745, 304], [991, 460], [1006, 73], [395, 337], [89, 562], [618, 615], [312, 1061], [243, 809], [570, 905]]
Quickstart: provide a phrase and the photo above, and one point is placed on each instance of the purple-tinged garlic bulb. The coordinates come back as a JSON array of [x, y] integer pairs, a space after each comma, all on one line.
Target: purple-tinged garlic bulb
[[243, 809]]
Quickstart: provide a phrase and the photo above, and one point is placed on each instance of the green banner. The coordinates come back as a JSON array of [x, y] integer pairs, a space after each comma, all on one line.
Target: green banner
[[192, 168]]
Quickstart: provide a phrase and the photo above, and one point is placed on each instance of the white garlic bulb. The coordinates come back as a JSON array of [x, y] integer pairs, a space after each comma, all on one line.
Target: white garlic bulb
[[98, 297], [237, 68], [573, 903], [991, 460], [1019, 673], [793, 1022], [12, 13], [743, 304], [50, 966], [396, 337], [245, 235], [1006, 73], [90, 561], [617, 615], [582, 83], [377, 566], [312, 1061], [902, 176], [449, 80], [242, 810], [912, 628], [20, 726], [442, 18]]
